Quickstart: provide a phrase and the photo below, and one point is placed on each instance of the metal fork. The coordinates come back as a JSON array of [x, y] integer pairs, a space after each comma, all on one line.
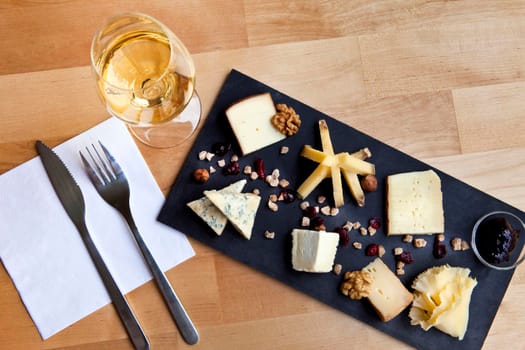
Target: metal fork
[[113, 187]]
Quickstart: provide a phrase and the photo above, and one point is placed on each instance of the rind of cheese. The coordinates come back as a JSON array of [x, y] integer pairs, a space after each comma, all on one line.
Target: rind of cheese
[[414, 203], [239, 208], [209, 213], [313, 251], [442, 299], [250, 120], [387, 294]]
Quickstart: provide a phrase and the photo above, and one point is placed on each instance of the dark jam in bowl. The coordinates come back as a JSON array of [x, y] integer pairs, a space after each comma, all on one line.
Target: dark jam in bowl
[[496, 239]]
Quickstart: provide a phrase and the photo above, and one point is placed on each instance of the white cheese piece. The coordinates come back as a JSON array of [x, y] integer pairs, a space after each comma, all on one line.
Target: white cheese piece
[[209, 213], [250, 120], [414, 203], [387, 295], [313, 251], [239, 208]]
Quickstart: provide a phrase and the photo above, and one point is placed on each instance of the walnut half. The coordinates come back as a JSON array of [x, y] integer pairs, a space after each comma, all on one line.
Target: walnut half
[[286, 120], [356, 284]]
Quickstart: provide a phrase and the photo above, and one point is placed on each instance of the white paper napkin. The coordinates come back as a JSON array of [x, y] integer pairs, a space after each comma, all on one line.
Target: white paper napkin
[[43, 252]]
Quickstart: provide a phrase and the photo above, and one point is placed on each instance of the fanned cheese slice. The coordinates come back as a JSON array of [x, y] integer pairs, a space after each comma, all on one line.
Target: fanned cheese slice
[[209, 213], [239, 208]]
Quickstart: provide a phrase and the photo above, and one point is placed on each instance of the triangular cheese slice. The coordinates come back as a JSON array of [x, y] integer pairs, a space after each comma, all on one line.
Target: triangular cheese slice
[[209, 213], [239, 208]]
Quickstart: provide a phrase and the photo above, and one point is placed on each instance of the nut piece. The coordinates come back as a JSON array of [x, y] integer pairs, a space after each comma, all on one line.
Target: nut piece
[[357, 245], [284, 149], [201, 175], [363, 231], [456, 243], [419, 243], [337, 269], [273, 206], [357, 284], [464, 245], [286, 120], [398, 251], [408, 238], [369, 183], [380, 250], [269, 234], [305, 222], [441, 237]]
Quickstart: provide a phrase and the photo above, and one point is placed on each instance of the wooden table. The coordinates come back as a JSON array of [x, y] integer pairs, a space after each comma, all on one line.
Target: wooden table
[[442, 81]]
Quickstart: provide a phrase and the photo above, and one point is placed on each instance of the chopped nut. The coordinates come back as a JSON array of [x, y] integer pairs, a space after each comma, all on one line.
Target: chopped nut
[[357, 284], [337, 269], [456, 243], [371, 231], [304, 205], [408, 238], [273, 197], [272, 181], [400, 272], [254, 176], [256, 191], [363, 231], [284, 183], [305, 221], [284, 149], [212, 169], [286, 120], [276, 173], [201, 175], [348, 226], [419, 243], [356, 225], [400, 264], [221, 163], [321, 199], [234, 158], [441, 237], [269, 234], [209, 156], [273, 206], [202, 155], [398, 250], [247, 170], [325, 210], [334, 211], [464, 245], [380, 251], [357, 245]]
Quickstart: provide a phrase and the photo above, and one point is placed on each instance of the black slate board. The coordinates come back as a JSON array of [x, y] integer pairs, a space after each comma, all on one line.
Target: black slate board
[[463, 205]]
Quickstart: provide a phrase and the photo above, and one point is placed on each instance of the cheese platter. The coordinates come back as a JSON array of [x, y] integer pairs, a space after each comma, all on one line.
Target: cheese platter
[[276, 203]]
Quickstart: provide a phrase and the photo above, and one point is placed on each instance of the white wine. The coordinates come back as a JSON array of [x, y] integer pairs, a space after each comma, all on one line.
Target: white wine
[[139, 81]]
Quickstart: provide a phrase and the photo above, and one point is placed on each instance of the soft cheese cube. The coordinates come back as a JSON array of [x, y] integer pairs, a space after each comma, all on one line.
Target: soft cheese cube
[[414, 203], [250, 120], [313, 251], [387, 294]]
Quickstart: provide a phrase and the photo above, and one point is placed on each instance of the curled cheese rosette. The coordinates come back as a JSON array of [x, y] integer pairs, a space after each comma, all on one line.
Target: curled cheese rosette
[[441, 299]]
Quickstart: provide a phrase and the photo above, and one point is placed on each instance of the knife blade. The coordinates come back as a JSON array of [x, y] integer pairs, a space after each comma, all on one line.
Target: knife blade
[[72, 200]]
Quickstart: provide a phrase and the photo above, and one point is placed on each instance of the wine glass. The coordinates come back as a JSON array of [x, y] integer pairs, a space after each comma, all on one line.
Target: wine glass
[[146, 77]]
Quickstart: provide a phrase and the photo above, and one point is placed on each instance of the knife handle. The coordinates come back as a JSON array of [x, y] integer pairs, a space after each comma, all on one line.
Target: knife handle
[[135, 332]]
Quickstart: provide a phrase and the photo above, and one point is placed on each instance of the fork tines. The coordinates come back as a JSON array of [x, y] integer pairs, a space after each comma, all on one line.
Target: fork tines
[[101, 169]]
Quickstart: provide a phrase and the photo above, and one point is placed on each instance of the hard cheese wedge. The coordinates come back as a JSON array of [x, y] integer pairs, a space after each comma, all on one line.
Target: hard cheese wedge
[[209, 213], [414, 203], [250, 120], [313, 251], [239, 208], [387, 294]]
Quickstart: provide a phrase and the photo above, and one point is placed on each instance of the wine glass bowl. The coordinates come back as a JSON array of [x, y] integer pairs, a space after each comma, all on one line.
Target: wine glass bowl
[[145, 76]]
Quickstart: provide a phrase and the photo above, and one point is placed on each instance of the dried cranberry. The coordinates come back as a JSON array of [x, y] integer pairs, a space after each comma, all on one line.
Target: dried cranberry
[[405, 257], [232, 169], [259, 168], [287, 195], [344, 238], [317, 223], [371, 249], [439, 250], [220, 148], [310, 212], [375, 223]]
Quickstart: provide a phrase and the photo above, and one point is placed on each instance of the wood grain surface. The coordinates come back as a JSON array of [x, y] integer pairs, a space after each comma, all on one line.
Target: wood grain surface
[[443, 81]]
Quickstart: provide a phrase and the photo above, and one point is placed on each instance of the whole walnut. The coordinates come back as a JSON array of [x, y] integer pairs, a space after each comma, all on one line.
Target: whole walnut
[[357, 284], [201, 175]]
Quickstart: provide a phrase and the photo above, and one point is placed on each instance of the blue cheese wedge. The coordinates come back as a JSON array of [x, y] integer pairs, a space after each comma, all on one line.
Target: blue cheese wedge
[[250, 120], [313, 251], [209, 213], [239, 208]]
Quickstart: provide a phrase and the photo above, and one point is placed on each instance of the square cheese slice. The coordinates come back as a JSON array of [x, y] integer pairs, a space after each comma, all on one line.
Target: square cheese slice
[[414, 203], [313, 251], [250, 120], [387, 295], [239, 208], [209, 213]]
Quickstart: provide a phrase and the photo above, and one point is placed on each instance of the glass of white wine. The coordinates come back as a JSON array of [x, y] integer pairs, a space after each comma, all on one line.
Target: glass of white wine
[[146, 77]]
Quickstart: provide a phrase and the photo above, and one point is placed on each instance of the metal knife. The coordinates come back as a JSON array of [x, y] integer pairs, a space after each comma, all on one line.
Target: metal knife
[[71, 198]]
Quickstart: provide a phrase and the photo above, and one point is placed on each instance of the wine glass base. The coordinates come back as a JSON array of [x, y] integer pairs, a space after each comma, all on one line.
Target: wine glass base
[[174, 132]]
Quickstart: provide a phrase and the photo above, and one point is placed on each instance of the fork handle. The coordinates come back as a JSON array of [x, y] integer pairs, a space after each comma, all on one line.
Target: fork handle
[[132, 326], [177, 311]]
